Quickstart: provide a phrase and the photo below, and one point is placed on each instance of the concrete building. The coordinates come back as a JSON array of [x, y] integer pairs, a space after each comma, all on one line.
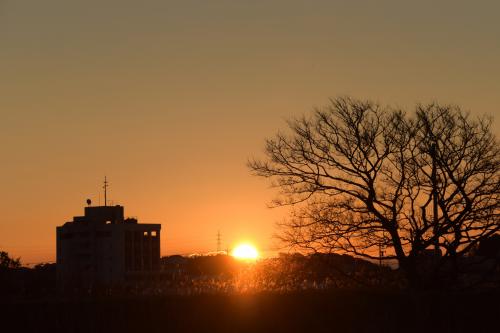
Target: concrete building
[[104, 248]]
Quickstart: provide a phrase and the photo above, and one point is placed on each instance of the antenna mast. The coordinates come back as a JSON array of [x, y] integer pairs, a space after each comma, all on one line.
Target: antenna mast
[[105, 187]]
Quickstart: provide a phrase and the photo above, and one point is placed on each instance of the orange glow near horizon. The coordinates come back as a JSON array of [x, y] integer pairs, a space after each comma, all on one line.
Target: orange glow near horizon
[[245, 251]]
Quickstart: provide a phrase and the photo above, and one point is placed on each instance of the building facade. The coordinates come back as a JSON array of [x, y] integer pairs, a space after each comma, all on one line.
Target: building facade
[[104, 248]]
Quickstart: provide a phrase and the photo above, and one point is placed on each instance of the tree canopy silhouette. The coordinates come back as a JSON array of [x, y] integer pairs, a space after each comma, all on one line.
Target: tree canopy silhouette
[[7, 262], [363, 177]]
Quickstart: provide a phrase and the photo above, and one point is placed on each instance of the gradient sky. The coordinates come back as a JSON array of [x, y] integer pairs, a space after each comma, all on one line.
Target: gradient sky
[[170, 98]]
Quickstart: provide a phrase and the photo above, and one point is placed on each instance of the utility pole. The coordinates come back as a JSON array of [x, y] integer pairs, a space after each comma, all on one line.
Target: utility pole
[[434, 199], [105, 187], [380, 254]]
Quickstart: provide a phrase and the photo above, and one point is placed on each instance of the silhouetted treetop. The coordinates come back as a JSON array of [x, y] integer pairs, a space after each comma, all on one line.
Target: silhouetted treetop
[[7, 262]]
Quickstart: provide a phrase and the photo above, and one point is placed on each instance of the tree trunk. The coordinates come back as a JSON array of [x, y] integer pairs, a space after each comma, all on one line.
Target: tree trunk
[[409, 267]]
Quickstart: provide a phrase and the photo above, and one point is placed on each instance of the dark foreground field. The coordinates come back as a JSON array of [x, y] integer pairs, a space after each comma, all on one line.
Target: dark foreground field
[[342, 311]]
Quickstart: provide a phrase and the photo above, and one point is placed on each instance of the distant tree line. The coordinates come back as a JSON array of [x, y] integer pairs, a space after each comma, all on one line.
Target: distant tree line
[[17, 281]]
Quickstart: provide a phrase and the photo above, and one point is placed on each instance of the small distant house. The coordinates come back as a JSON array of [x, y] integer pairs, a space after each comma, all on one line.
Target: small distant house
[[104, 248]]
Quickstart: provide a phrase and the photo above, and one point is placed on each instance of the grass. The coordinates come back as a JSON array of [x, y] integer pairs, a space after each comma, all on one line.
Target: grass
[[310, 311]]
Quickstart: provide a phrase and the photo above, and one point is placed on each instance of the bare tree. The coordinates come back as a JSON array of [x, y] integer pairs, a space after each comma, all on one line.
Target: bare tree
[[362, 177]]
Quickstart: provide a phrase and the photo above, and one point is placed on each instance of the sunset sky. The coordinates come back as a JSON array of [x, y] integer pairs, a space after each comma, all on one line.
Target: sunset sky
[[170, 98]]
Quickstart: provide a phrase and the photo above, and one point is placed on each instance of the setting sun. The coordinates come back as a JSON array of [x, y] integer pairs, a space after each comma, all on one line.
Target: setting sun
[[246, 252]]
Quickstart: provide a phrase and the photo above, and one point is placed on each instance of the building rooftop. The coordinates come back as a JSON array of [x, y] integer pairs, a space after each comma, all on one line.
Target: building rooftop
[[103, 215]]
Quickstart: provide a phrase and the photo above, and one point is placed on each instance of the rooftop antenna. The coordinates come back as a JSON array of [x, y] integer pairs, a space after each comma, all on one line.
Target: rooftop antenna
[[105, 187]]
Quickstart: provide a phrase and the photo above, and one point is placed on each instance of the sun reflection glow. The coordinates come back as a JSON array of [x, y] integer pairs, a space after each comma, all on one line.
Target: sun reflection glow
[[245, 252]]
